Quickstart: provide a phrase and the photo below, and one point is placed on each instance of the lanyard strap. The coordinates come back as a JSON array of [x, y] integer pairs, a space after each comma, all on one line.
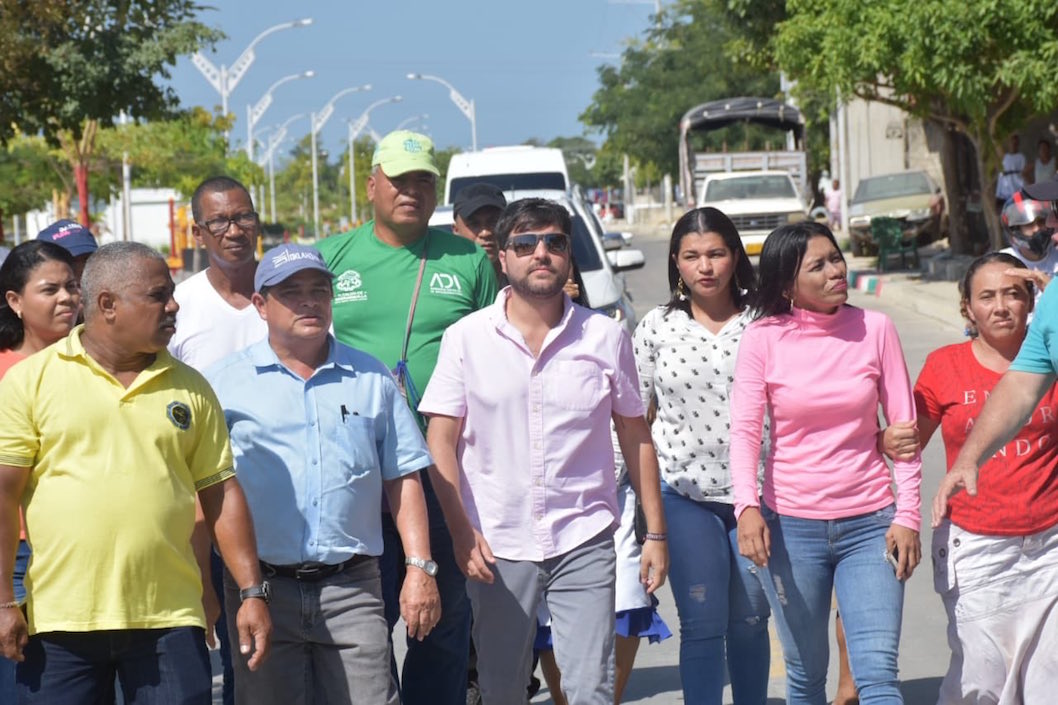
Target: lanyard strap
[[414, 300]]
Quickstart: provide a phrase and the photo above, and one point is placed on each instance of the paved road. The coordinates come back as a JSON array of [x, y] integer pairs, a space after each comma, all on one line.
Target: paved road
[[924, 650]]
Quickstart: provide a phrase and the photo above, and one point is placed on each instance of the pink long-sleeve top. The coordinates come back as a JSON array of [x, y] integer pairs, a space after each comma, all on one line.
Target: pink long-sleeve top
[[821, 379]]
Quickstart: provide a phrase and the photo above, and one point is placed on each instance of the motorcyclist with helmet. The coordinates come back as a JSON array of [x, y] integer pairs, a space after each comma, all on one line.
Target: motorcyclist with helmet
[[1030, 225]]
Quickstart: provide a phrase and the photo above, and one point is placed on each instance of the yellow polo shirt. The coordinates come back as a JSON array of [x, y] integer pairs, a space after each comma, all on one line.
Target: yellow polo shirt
[[110, 502]]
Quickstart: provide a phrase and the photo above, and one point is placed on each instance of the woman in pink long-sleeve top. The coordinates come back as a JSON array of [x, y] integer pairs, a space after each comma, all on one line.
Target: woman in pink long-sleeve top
[[829, 521]]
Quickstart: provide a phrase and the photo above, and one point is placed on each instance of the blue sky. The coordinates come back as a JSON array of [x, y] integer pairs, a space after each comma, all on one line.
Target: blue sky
[[528, 67]]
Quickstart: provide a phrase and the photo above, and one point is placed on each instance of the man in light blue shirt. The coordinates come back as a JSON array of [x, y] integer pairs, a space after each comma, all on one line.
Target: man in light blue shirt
[[319, 431]]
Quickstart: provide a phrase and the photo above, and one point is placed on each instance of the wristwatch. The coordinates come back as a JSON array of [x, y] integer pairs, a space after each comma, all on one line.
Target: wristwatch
[[424, 564], [261, 592]]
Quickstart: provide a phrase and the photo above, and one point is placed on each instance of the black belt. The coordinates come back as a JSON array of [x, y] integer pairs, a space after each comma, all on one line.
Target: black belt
[[312, 571]]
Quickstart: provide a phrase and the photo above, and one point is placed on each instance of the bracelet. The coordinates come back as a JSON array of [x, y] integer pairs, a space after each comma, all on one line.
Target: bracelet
[[655, 537], [8, 605]]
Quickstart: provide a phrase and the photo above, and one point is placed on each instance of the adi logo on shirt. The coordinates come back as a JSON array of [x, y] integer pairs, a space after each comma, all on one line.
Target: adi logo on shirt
[[445, 284]]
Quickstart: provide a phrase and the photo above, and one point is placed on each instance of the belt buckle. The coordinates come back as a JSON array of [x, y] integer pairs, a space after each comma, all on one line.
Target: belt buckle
[[308, 571]]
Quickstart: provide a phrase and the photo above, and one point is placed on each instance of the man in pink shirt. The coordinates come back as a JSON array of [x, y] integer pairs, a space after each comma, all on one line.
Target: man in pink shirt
[[520, 405]]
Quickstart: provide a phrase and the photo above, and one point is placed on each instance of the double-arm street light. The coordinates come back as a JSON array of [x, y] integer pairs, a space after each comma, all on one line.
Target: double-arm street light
[[355, 128], [255, 112], [224, 79], [274, 140], [318, 121], [465, 106]]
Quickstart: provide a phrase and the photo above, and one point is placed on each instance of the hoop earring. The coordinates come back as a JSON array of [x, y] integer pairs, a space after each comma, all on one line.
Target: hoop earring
[[681, 291]]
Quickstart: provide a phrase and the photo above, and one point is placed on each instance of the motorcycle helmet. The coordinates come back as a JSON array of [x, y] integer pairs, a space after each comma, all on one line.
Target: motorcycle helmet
[[1025, 224]]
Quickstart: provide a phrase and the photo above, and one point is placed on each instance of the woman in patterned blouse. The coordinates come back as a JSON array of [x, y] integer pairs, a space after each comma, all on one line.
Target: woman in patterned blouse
[[685, 352]]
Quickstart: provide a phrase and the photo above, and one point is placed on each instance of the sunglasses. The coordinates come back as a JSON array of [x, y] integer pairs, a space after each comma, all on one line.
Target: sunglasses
[[524, 244], [218, 226]]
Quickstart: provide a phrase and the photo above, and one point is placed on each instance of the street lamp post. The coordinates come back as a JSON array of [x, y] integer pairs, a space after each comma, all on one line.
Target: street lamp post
[[224, 79], [318, 121], [465, 106], [255, 112], [274, 140], [411, 121], [355, 128]]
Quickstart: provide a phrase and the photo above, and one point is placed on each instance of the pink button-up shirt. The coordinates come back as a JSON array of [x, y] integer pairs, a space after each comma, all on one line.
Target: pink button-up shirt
[[535, 450]]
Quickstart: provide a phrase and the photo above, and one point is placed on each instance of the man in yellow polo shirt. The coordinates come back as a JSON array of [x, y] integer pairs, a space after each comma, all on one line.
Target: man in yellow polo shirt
[[105, 440]]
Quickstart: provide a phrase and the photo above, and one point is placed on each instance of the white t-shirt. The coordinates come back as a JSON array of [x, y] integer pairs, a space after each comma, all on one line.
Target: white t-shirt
[[1044, 170], [208, 328]]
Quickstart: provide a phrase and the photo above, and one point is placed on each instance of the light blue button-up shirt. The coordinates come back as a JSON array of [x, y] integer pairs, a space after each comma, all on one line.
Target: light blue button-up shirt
[[311, 455]]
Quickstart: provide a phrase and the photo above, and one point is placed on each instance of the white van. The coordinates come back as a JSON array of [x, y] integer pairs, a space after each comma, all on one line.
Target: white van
[[518, 168]]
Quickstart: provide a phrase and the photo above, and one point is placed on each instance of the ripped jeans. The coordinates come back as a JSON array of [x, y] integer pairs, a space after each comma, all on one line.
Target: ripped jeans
[[721, 603]]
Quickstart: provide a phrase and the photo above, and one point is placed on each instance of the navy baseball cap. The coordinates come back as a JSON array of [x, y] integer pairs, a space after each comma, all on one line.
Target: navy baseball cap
[[75, 238], [281, 262], [471, 199]]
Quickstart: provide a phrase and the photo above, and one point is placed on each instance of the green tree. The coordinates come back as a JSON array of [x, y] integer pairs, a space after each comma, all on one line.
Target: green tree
[[179, 152], [973, 66], [30, 173], [70, 66], [681, 62]]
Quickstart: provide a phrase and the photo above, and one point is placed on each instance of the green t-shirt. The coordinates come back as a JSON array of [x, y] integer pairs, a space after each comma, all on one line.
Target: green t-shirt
[[373, 287]]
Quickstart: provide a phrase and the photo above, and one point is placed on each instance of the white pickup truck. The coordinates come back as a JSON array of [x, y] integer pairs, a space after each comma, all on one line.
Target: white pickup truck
[[757, 202], [758, 190]]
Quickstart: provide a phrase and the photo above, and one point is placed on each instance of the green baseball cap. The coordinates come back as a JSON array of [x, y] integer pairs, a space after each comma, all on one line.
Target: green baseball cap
[[402, 151]]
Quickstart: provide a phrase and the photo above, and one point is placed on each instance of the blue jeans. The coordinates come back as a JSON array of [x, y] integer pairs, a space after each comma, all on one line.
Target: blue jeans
[[7, 667], [721, 603], [435, 669], [811, 559], [154, 667]]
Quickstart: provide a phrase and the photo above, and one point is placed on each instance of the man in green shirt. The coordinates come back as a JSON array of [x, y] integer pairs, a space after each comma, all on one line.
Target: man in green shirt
[[398, 285]]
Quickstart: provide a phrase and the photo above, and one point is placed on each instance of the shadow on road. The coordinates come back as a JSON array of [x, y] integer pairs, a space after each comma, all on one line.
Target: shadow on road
[[922, 691]]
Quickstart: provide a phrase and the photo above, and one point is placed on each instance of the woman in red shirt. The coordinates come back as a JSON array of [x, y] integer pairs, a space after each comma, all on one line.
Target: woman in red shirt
[[995, 560], [40, 300]]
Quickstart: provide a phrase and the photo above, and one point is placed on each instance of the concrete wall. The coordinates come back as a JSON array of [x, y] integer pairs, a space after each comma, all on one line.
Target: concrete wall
[[883, 139]]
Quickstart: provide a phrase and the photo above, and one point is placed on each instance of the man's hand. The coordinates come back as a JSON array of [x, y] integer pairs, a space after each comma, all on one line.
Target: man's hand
[[907, 546], [473, 555], [211, 606], [963, 475], [654, 565], [899, 441], [571, 288], [420, 603], [754, 538], [255, 631], [13, 633]]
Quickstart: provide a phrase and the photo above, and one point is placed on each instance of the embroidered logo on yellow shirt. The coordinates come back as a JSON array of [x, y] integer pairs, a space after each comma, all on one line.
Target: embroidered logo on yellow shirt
[[180, 414]]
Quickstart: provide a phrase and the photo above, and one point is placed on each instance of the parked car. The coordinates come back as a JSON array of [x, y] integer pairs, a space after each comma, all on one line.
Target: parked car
[[757, 202], [911, 197], [602, 282]]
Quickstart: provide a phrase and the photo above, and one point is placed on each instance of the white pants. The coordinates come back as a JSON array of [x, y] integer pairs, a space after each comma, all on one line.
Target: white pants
[[1001, 596]]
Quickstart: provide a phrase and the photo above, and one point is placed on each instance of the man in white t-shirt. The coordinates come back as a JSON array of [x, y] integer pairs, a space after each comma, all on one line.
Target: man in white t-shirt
[[1044, 166], [215, 320], [216, 317]]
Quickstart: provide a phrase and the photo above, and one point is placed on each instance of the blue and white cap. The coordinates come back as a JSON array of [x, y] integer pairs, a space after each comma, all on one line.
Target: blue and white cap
[[285, 260]]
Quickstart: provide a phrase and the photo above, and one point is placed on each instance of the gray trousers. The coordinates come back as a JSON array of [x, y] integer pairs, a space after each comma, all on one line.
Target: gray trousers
[[330, 643], [578, 588]]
